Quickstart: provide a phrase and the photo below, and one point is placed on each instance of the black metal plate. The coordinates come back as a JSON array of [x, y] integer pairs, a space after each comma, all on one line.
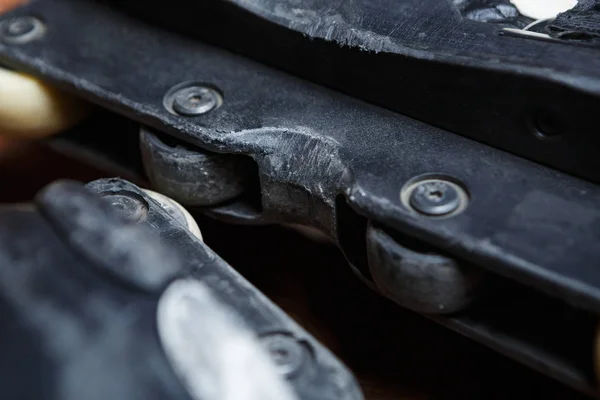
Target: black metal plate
[[421, 58], [524, 221]]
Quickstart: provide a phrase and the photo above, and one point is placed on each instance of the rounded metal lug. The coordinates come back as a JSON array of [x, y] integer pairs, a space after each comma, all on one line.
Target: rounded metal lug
[[192, 177], [423, 282]]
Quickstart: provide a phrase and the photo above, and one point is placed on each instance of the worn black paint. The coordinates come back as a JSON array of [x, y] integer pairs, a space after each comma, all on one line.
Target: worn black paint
[[422, 58], [323, 144], [313, 146]]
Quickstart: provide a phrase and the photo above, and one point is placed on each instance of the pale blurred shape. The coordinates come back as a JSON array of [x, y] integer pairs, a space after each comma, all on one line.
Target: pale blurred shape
[[543, 9]]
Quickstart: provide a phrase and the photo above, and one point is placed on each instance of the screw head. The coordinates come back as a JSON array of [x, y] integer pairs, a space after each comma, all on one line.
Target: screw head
[[435, 197], [194, 100], [287, 353], [21, 30], [133, 207]]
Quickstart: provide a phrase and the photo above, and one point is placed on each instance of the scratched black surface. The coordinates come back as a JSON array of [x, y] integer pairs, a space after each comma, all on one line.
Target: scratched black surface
[[327, 144], [422, 58]]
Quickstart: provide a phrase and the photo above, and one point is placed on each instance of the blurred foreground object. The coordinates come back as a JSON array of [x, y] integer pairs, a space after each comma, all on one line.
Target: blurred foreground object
[[30, 108], [105, 294], [543, 9]]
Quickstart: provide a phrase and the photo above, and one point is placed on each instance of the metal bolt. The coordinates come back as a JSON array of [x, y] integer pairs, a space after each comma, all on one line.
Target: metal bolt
[[287, 353], [21, 30], [435, 197], [130, 205], [192, 100]]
